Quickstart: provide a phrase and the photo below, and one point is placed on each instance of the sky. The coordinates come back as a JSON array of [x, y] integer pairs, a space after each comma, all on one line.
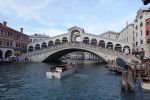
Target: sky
[[54, 17]]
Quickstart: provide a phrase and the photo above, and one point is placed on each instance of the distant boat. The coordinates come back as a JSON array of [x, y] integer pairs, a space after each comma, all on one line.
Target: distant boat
[[115, 69], [11, 59], [61, 71]]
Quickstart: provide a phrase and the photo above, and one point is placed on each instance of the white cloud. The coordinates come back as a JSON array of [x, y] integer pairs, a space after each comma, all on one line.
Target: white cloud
[[25, 10], [51, 16]]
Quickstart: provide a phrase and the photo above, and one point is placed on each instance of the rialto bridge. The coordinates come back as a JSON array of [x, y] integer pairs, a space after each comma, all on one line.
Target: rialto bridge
[[76, 39]]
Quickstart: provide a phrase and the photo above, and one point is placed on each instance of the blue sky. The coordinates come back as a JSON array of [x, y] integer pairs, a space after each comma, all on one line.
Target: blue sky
[[54, 17]]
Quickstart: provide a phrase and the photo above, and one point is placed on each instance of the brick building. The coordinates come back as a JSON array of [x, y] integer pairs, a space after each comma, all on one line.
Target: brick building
[[12, 42]]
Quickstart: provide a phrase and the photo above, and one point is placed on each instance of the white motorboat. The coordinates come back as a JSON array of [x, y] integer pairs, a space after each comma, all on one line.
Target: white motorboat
[[61, 71], [146, 86]]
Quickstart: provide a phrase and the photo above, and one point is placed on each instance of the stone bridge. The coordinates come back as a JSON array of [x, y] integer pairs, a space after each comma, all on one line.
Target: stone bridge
[[56, 52], [76, 39]]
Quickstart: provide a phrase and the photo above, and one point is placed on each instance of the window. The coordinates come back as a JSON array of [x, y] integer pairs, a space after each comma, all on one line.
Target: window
[[136, 27], [141, 17], [147, 42], [10, 34], [1, 32], [18, 36], [9, 44], [141, 42], [0, 42], [136, 43], [141, 24], [16, 44], [141, 33], [127, 39], [147, 33], [133, 38], [147, 23], [136, 34]]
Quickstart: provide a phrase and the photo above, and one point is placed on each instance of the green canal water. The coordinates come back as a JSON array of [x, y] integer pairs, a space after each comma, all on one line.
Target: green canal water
[[91, 81]]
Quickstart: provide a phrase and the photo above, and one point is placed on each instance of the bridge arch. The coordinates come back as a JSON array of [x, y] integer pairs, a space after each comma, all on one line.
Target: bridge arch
[[127, 47], [37, 46], [60, 53], [101, 43], [86, 40], [74, 34], [44, 45], [94, 42], [109, 45], [30, 49], [118, 47], [57, 42], [50, 43], [64, 40]]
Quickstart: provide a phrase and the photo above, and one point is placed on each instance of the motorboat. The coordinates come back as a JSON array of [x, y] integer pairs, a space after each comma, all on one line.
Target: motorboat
[[61, 71]]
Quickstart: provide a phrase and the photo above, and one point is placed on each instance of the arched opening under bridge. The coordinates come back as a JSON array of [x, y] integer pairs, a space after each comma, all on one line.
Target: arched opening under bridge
[[59, 54]]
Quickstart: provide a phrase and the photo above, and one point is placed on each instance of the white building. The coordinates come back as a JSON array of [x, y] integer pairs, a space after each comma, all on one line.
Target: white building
[[127, 35], [110, 34], [140, 29], [37, 37]]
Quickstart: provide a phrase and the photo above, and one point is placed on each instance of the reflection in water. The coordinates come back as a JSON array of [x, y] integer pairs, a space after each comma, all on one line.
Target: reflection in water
[[91, 81]]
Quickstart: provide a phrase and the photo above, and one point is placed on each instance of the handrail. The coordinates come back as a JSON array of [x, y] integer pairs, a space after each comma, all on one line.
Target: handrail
[[77, 45]]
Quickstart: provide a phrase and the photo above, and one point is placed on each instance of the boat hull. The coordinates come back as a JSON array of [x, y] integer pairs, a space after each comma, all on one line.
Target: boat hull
[[59, 75], [145, 86]]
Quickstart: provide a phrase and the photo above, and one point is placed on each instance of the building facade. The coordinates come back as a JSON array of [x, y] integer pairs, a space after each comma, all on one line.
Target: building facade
[[127, 35], [12, 42], [111, 34], [37, 37], [141, 31]]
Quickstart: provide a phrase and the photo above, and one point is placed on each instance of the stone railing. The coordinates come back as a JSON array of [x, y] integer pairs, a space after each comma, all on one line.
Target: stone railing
[[78, 46]]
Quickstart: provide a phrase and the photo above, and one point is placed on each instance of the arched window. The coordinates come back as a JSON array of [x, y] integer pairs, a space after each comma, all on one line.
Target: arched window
[[118, 47], [86, 40], [109, 45], [64, 40], [44, 45], [8, 53], [101, 44], [37, 47], [57, 42], [94, 42], [50, 43]]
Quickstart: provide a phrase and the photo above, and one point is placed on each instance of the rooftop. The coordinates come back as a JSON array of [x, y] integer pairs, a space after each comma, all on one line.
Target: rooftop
[[39, 36]]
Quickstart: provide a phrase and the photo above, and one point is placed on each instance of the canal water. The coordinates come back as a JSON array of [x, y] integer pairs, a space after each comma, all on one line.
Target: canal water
[[91, 81]]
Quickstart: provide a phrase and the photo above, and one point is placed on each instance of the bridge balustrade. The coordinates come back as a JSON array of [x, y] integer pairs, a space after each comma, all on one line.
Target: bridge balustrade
[[79, 45]]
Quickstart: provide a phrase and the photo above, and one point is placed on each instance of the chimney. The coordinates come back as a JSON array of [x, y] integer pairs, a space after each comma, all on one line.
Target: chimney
[[21, 30], [4, 23]]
